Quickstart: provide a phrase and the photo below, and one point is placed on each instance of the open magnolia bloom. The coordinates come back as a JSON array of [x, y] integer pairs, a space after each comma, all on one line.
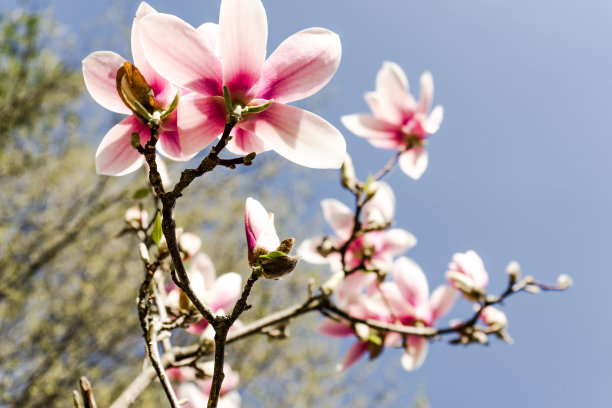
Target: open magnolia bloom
[[467, 273], [197, 392], [374, 249], [120, 86], [368, 305], [232, 54], [397, 121], [409, 300], [219, 293]]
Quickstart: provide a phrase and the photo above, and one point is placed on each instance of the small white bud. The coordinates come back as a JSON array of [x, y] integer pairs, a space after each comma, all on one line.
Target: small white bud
[[144, 253], [480, 337], [349, 179], [362, 331], [564, 281], [533, 289], [514, 271]]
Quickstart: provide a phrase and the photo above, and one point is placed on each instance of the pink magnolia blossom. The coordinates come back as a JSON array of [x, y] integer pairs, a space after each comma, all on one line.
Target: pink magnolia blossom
[[467, 273], [399, 122], [197, 393], [219, 293], [233, 54], [368, 305], [115, 155], [260, 232], [408, 297], [375, 248]]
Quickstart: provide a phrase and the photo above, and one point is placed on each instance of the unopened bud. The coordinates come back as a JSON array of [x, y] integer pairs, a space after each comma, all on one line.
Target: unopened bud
[[136, 217], [275, 265], [514, 271], [370, 189], [135, 140], [184, 302], [362, 331], [286, 246], [533, 289], [348, 178], [466, 285], [376, 219], [564, 281], [480, 337], [144, 253]]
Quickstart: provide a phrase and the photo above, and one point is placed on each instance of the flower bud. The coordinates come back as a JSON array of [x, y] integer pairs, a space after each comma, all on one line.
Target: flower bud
[[466, 285], [376, 220], [514, 271], [349, 180], [136, 217], [533, 289], [564, 281], [135, 92], [144, 253], [362, 331], [275, 265]]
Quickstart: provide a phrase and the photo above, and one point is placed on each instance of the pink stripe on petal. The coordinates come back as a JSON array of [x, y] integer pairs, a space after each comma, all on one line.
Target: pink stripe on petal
[[334, 329], [227, 289], [411, 281], [180, 53], [115, 155], [300, 136], [100, 75], [139, 58], [169, 145], [414, 162], [200, 121], [245, 142], [300, 66], [378, 132], [355, 352], [243, 34]]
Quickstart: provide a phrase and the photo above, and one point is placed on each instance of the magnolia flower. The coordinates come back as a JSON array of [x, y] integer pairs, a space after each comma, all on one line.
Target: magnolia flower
[[362, 306], [197, 393], [375, 249], [115, 155], [189, 244], [399, 122], [408, 297], [219, 293], [232, 54], [467, 273]]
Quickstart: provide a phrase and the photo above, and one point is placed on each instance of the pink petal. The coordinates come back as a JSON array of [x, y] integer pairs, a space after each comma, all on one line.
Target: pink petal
[[256, 219], [181, 54], [354, 284], [200, 121], [415, 353], [433, 122], [140, 60], [193, 393], [339, 217], [300, 66], [334, 329], [355, 352], [411, 281], [379, 133], [227, 289], [383, 200], [245, 142], [203, 265], [427, 89], [243, 33], [169, 145], [100, 75], [399, 305], [393, 339], [308, 251], [393, 95], [442, 300], [115, 155], [300, 136], [397, 240], [210, 33], [268, 238], [414, 162]]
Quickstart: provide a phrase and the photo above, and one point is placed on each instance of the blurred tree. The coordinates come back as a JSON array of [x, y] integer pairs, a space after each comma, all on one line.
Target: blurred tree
[[68, 281]]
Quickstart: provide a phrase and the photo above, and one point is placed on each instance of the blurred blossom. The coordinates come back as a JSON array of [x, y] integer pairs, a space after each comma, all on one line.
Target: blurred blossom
[[398, 121], [197, 392], [467, 273], [219, 293], [189, 244], [375, 249]]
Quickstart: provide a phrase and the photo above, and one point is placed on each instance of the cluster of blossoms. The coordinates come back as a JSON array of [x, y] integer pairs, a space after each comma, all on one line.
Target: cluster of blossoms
[[195, 391], [220, 74]]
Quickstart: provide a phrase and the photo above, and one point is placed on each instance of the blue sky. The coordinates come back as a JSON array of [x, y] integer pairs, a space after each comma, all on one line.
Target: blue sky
[[520, 169]]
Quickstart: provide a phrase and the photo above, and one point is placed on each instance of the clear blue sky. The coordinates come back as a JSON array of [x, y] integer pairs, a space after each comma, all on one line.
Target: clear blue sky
[[520, 169]]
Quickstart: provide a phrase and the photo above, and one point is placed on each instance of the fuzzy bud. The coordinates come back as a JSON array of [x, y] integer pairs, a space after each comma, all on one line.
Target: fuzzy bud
[[564, 281], [514, 271], [349, 180], [275, 265]]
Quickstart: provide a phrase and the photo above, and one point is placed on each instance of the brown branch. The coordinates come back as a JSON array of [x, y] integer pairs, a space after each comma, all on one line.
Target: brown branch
[[87, 393], [387, 168]]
